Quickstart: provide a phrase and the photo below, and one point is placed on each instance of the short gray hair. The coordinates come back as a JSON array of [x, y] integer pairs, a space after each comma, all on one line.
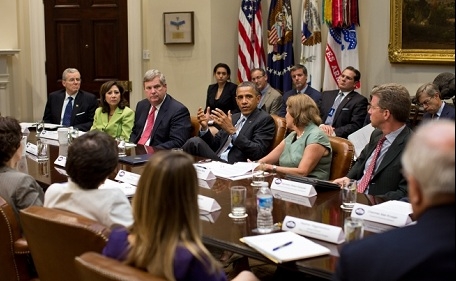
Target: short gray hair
[[68, 70], [152, 73]]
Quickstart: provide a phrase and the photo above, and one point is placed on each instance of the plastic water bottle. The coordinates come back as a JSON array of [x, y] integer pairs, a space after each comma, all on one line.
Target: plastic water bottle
[[264, 206]]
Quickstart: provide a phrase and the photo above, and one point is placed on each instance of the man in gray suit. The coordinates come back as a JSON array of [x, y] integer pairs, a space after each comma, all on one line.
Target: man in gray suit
[[378, 168], [271, 99]]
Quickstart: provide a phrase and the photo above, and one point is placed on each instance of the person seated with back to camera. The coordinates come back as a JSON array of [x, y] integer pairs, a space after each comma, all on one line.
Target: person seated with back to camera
[[306, 151], [113, 116], [18, 189], [166, 240], [92, 157]]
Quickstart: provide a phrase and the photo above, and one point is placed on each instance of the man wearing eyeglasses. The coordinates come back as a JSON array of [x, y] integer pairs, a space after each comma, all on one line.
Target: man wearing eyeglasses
[[378, 168], [71, 106], [244, 135], [428, 96], [299, 76], [271, 99]]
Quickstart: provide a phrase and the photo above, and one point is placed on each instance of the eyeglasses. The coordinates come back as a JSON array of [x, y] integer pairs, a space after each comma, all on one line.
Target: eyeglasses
[[425, 102], [369, 106], [257, 78]]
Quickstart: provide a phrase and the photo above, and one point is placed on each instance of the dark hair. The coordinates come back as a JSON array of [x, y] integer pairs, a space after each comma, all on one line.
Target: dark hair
[[92, 157], [299, 66], [104, 89], [249, 84], [356, 71], [224, 65], [10, 138]]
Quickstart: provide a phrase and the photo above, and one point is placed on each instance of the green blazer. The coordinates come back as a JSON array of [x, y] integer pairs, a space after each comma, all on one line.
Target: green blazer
[[120, 125]]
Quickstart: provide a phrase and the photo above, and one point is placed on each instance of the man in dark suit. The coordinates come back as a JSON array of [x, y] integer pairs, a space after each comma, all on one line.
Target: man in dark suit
[[160, 120], [425, 250], [428, 96], [379, 173], [81, 104], [244, 135], [299, 76], [343, 111]]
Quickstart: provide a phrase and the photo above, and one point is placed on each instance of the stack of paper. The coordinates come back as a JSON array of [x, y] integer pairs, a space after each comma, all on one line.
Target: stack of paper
[[285, 246], [236, 171]]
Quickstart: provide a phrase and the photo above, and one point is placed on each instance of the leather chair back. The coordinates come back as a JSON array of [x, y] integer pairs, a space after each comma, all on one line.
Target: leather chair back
[[280, 130], [343, 152], [93, 266], [56, 237], [195, 126]]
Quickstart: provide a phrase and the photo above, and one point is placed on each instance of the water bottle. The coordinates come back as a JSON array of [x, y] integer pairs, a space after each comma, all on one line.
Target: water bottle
[[264, 205]]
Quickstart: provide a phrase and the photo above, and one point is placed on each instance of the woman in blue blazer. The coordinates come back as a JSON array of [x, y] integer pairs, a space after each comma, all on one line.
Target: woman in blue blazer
[[113, 116]]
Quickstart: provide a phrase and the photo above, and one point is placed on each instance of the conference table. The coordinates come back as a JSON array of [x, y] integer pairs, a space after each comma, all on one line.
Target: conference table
[[221, 231]]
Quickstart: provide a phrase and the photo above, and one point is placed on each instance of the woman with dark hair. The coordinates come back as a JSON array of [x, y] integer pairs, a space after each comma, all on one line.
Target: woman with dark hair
[[222, 94], [113, 116], [166, 240], [18, 189]]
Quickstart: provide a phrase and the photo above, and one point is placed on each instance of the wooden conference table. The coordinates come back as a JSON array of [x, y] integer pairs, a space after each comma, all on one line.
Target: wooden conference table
[[223, 232]]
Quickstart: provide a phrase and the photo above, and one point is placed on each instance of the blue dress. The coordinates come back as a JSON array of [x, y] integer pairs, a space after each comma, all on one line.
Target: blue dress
[[186, 266]]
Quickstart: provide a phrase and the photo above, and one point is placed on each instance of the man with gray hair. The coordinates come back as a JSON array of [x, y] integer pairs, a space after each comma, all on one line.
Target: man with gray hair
[[160, 120], [425, 250], [429, 97]]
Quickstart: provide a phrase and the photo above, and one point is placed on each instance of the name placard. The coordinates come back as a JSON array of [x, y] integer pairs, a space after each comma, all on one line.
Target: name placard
[[208, 204], [325, 232], [49, 135], [297, 199], [127, 177], [208, 184], [385, 216], [210, 217], [60, 161], [203, 173], [31, 148], [293, 187]]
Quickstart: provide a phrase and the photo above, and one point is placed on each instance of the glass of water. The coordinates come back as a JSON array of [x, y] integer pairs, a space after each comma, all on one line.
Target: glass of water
[[73, 133], [121, 147], [39, 128]]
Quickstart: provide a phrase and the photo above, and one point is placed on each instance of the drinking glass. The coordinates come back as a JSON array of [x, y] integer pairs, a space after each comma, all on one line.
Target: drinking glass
[[353, 229], [238, 197], [73, 133], [39, 128], [121, 147], [349, 195]]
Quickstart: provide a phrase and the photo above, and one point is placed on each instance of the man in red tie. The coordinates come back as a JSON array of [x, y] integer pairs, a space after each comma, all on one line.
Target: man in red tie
[[160, 120], [378, 168]]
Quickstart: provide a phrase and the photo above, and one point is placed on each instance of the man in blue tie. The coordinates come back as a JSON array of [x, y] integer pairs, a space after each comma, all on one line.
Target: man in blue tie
[[71, 106], [244, 135]]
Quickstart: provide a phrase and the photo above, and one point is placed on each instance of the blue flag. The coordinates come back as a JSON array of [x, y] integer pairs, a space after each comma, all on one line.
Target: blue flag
[[280, 45]]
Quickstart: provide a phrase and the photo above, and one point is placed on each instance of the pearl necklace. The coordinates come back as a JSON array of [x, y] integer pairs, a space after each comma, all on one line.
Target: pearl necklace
[[299, 136]]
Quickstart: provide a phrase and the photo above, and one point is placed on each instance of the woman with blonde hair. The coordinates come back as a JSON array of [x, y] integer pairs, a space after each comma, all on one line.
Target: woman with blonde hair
[[306, 151], [165, 238]]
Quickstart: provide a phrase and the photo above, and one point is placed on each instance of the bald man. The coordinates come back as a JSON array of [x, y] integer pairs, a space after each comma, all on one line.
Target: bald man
[[425, 250]]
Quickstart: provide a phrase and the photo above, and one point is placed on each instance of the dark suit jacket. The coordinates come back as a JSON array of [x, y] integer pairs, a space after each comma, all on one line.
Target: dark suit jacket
[[84, 107], [447, 113], [311, 92], [388, 179], [253, 141], [424, 251], [227, 100], [349, 116], [172, 125]]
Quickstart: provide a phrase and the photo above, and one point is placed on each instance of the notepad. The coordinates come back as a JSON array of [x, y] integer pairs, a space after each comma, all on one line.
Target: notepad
[[285, 246]]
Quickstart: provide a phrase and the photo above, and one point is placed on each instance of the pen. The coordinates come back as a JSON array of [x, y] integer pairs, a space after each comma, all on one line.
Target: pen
[[201, 167], [283, 245]]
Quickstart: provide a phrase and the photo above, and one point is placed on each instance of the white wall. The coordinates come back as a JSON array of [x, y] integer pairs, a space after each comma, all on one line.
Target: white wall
[[188, 69]]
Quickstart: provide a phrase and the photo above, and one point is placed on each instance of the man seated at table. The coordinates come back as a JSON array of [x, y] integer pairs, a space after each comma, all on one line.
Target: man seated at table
[[92, 157], [425, 250], [244, 135], [160, 120], [71, 106], [378, 168], [429, 97]]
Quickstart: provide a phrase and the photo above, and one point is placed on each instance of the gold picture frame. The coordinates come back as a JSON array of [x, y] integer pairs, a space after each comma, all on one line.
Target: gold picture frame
[[178, 28], [408, 30]]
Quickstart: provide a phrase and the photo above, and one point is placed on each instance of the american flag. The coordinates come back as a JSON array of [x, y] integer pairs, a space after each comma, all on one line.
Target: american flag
[[250, 51]]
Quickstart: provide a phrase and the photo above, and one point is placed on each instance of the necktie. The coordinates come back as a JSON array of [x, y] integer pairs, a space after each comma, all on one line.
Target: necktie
[[223, 152], [67, 114], [364, 182], [149, 126], [329, 119]]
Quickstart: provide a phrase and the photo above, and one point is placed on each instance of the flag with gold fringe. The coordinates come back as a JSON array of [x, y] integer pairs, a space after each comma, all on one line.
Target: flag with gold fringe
[[341, 17], [280, 45]]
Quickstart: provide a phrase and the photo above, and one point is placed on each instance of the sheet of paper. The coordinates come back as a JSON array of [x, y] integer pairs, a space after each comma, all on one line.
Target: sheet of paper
[[396, 206], [361, 138], [128, 189], [236, 171]]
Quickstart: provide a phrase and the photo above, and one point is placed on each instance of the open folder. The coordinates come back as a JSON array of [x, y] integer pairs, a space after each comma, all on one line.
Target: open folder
[[285, 246]]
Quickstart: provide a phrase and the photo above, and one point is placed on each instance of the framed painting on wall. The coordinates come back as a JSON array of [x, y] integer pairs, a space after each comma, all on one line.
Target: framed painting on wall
[[178, 28], [422, 31]]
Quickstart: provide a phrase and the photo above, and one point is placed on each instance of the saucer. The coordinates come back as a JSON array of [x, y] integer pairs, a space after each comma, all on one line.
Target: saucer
[[237, 217], [346, 208]]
